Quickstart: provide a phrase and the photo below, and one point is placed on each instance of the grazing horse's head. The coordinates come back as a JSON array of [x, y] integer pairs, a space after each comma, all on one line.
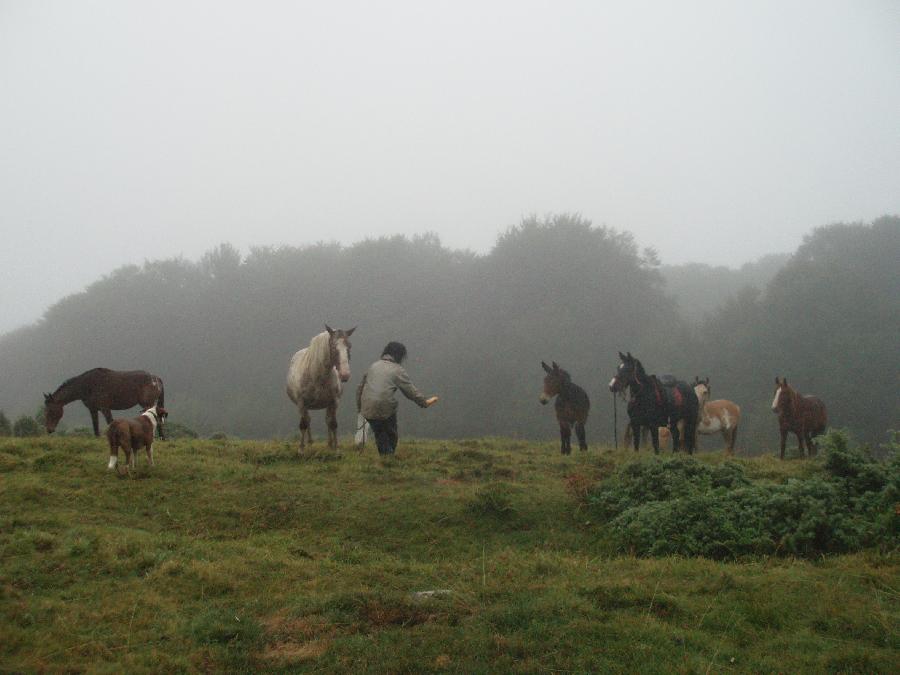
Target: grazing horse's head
[[555, 379], [701, 388], [53, 413], [630, 372], [784, 397], [339, 344]]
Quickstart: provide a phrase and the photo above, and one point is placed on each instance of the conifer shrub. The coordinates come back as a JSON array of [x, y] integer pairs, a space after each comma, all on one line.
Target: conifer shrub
[[26, 426], [680, 506]]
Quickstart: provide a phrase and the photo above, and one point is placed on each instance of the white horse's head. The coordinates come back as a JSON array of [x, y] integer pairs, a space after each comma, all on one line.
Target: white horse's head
[[339, 343], [701, 388]]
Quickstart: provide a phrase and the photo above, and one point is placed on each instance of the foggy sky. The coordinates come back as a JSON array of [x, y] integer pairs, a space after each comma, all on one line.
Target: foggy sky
[[714, 131]]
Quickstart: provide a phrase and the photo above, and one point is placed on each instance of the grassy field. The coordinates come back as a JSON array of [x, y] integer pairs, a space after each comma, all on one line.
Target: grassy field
[[240, 556]]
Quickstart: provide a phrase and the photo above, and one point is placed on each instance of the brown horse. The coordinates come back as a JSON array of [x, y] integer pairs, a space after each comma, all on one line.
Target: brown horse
[[104, 390], [315, 379], [134, 434], [804, 416], [572, 405], [716, 416]]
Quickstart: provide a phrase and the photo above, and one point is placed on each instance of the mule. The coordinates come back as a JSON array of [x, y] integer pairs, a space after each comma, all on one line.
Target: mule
[[315, 380], [716, 416], [804, 416], [133, 434], [104, 390], [572, 405], [656, 402]]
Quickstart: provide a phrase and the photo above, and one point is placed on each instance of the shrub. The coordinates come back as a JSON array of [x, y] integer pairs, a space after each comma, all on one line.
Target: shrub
[[26, 426], [679, 506], [5, 426], [176, 430]]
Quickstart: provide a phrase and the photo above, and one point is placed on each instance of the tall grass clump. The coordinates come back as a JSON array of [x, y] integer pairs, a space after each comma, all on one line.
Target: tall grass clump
[[680, 506]]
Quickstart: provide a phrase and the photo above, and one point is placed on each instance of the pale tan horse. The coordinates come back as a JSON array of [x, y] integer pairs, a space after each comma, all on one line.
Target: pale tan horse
[[717, 416], [315, 380]]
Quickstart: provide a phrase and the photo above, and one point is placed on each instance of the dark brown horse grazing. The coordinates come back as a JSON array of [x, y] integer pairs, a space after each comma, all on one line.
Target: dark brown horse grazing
[[804, 416], [104, 390], [572, 405]]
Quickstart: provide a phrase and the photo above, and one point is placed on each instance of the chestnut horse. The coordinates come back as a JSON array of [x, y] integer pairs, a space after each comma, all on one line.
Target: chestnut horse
[[315, 380], [655, 402], [804, 416], [104, 390], [720, 415], [572, 405]]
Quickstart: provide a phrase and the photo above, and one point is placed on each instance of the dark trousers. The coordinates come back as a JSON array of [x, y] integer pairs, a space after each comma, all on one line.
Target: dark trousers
[[385, 434]]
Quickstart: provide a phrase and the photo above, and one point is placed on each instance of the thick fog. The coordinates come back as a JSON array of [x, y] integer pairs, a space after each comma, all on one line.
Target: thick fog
[[715, 132]]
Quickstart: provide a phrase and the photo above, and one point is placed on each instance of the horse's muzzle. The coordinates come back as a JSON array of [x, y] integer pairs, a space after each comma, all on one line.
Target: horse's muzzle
[[543, 399], [345, 378]]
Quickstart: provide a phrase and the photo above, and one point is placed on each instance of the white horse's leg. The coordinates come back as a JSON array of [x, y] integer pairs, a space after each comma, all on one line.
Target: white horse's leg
[[304, 426], [331, 420]]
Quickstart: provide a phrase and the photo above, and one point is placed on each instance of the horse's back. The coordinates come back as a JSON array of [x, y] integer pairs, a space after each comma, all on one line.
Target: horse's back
[[817, 415]]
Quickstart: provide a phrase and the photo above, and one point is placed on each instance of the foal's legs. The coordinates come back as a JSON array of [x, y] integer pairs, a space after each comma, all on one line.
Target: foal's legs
[[113, 454], [331, 421], [565, 436], [579, 431], [150, 453]]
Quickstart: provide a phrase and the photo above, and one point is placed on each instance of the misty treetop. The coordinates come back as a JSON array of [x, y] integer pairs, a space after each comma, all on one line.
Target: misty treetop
[[221, 330]]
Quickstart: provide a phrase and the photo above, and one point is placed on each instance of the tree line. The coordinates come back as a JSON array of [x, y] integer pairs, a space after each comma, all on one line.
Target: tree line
[[220, 331]]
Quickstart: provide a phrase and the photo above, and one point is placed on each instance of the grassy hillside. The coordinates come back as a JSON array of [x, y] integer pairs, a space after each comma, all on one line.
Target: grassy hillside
[[239, 556]]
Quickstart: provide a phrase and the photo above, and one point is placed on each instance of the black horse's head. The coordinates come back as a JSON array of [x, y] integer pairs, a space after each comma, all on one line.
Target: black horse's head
[[630, 372], [554, 381]]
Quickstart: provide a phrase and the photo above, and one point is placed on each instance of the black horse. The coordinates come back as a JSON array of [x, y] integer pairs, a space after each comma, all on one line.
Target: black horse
[[657, 402], [572, 405]]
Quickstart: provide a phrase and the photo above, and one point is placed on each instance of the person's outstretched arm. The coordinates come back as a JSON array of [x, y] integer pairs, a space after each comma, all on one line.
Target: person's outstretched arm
[[409, 390]]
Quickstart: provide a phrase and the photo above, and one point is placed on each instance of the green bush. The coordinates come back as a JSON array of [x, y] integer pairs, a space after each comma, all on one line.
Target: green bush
[[5, 426], [679, 506], [176, 430], [26, 426]]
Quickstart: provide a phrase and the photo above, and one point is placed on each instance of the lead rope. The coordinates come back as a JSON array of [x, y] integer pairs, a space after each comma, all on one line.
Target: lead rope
[[615, 422]]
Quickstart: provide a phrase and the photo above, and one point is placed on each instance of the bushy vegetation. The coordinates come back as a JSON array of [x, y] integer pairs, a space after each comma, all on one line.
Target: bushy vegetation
[[26, 426], [681, 506], [5, 426]]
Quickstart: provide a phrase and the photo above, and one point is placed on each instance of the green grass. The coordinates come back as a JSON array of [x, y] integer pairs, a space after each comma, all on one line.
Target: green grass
[[240, 556]]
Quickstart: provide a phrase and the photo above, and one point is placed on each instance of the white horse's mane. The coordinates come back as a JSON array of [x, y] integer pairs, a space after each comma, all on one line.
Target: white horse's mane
[[318, 354]]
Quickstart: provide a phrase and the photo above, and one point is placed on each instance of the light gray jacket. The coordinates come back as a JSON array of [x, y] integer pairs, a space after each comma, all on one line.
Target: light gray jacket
[[375, 396]]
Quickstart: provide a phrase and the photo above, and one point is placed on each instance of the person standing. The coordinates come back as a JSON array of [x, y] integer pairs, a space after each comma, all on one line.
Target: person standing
[[376, 396]]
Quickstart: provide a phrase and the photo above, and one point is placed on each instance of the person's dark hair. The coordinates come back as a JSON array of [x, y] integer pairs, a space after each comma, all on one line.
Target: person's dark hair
[[396, 350]]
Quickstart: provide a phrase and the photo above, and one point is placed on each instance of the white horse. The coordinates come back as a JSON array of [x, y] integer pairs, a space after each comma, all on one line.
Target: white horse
[[315, 380], [716, 416]]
